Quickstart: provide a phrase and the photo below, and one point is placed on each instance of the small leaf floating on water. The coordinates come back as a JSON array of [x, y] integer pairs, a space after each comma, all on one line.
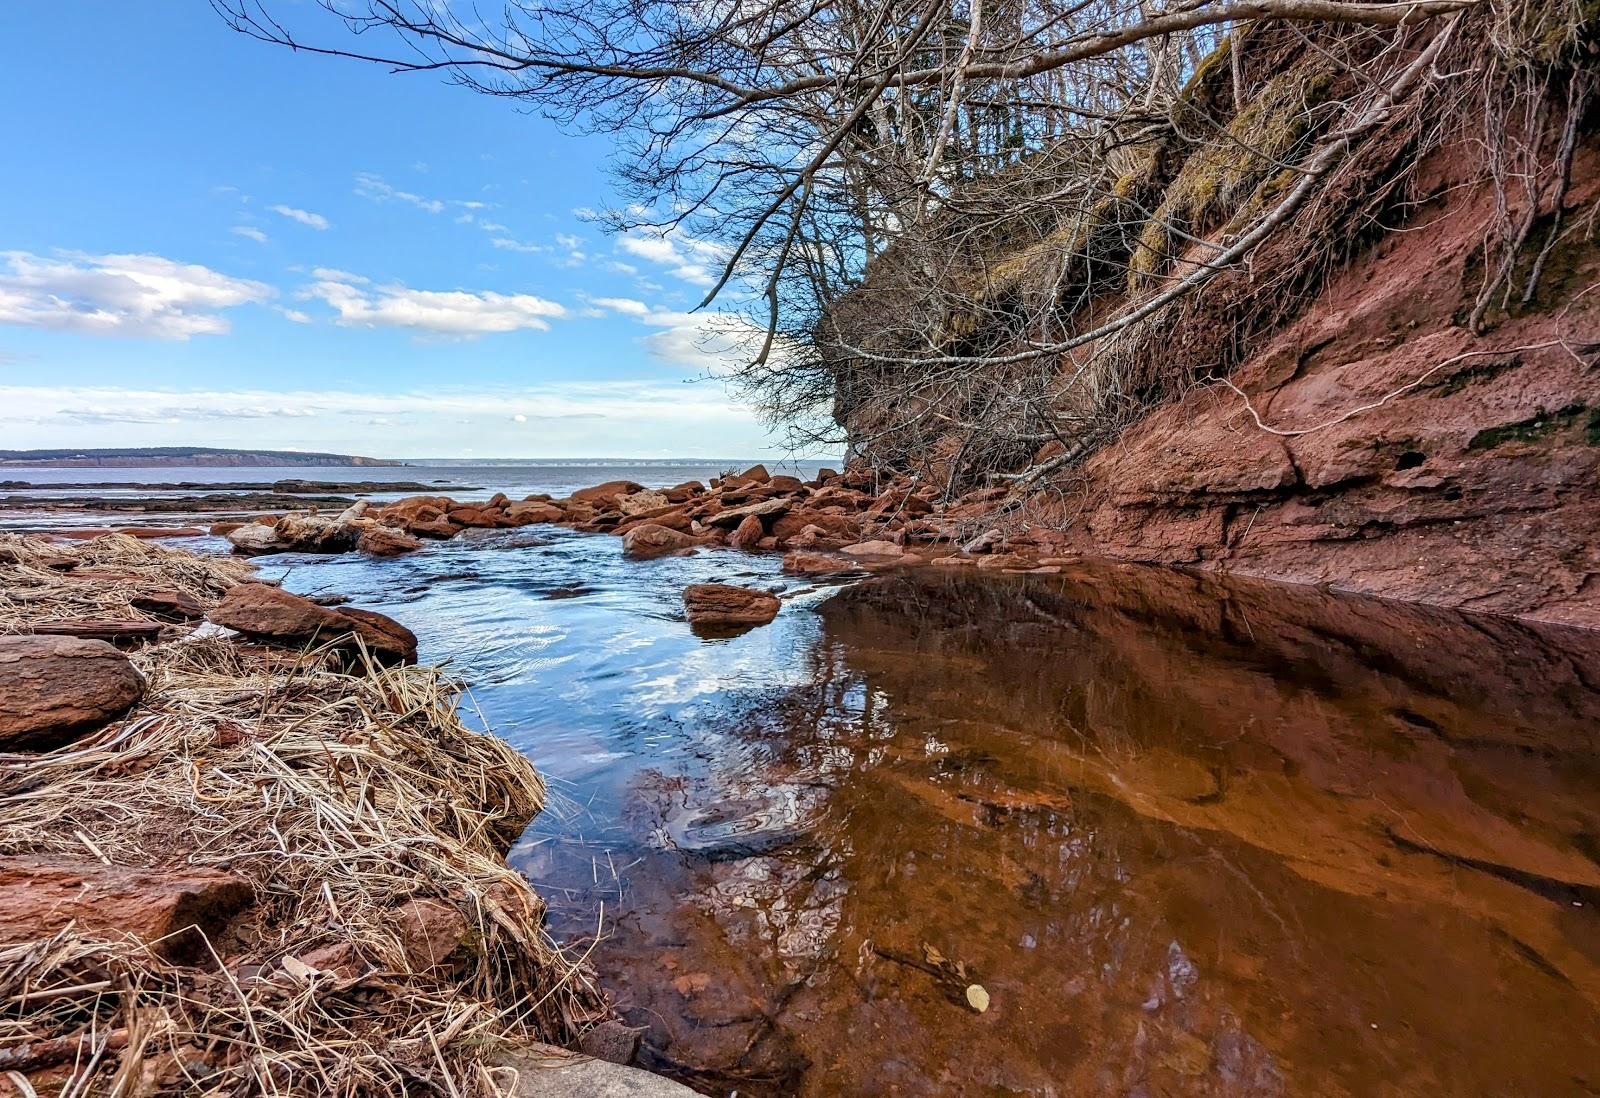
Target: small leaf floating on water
[[977, 998]]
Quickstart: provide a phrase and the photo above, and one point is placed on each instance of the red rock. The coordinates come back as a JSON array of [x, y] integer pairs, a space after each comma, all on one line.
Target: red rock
[[440, 529], [721, 605], [496, 501], [605, 496], [479, 517], [383, 541], [749, 534], [756, 474], [169, 605], [528, 512], [786, 484], [682, 493], [223, 529], [429, 931], [674, 518], [876, 550], [650, 540], [636, 504], [764, 508], [40, 896], [817, 564], [267, 613], [55, 689]]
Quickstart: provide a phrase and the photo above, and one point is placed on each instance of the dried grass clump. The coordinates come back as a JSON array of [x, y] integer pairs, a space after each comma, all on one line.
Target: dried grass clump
[[343, 799], [44, 580]]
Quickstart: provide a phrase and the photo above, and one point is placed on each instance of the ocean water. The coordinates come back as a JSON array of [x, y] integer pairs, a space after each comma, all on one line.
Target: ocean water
[[514, 478]]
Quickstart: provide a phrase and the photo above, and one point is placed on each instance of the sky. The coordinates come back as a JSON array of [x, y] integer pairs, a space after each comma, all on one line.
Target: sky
[[206, 240]]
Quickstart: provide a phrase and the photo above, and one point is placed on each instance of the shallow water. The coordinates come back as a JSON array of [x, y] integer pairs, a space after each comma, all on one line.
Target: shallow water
[[1193, 837]]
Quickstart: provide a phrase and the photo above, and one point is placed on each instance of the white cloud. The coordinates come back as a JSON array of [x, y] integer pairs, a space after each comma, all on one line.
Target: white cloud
[[506, 244], [623, 305], [305, 217], [296, 315], [120, 295], [443, 312], [378, 190], [249, 232], [685, 258]]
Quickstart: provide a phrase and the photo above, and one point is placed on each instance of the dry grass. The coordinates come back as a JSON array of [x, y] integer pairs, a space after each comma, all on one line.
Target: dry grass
[[341, 798]]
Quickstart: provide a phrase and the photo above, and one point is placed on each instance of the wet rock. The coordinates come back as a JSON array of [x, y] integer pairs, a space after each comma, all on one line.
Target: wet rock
[[55, 689], [817, 564], [480, 517], [721, 605], [441, 529], [651, 540], [169, 605], [682, 493], [747, 537], [385, 541], [264, 612], [40, 896], [612, 1041]]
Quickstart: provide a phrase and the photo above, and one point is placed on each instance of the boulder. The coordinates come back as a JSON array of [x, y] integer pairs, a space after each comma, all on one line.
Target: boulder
[[651, 540], [40, 896], [604, 496], [638, 503], [385, 541], [55, 689], [721, 605], [747, 537], [817, 564], [733, 516], [785, 484], [527, 512], [756, 474], [267, 613]]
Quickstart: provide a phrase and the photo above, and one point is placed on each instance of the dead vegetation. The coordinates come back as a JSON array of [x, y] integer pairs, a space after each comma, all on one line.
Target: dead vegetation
[[357, 807]]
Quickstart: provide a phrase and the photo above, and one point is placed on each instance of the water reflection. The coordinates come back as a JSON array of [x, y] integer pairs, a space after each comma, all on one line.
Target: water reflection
[[1192, 838]]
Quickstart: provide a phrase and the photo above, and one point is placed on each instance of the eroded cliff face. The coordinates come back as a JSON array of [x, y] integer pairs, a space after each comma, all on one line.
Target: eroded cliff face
[[1376, 444]]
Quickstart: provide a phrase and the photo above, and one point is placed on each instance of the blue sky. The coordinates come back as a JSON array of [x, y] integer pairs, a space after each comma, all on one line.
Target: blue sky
[[207, 240]]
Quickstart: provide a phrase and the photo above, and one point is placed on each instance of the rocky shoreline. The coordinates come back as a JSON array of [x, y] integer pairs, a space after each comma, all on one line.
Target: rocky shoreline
[[247, 845], [834, 523]]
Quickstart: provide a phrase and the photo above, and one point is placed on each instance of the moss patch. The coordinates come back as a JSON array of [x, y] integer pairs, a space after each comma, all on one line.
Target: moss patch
[[1537, 427]]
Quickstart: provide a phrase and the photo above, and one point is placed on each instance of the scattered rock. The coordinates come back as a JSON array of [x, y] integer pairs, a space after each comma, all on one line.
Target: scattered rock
[[168, 605], [264, 612], [721, 605], [875, 550], [817, 564], [55, 689], [606, 495], [385, 541], [39, 896], [651, 540], [733, 516], [747, 537], [528, 512], [639, 503]]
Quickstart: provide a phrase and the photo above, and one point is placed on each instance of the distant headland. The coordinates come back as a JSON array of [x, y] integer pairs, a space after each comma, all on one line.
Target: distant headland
[[187, 456]]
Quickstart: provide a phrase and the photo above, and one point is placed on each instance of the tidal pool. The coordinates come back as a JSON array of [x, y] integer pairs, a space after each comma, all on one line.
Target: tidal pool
[[1190, 835]]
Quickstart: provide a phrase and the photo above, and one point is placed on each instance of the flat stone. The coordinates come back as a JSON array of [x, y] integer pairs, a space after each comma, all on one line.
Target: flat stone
[[721, 605], [733, 516], [40, 896], [56, 689], [544, 1071]]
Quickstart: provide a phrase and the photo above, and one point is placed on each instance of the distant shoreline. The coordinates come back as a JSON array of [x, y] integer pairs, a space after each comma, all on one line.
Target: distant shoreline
[[185, 457]]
